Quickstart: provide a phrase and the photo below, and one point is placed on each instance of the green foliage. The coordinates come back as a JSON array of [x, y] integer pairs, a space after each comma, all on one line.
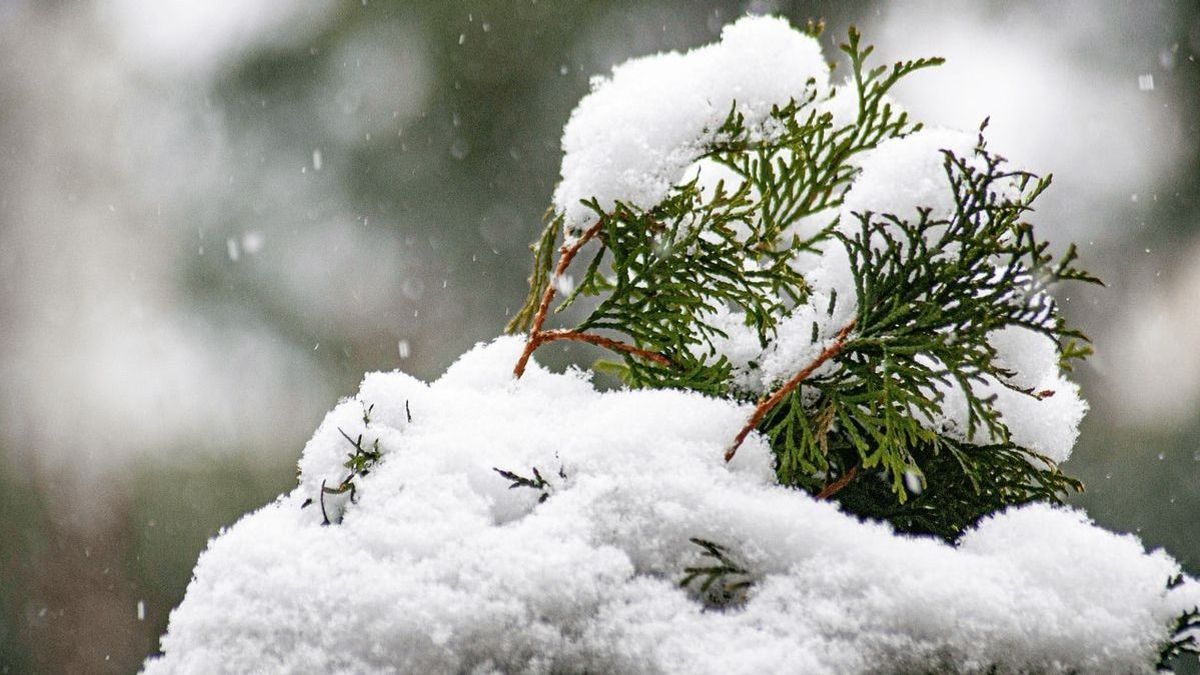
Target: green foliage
[[724, 583], [536, 483], [808, 168], [733, 241], [1072, 349], [929, 290], [960, 483], [360, 460], [653, 296], [543, 262]]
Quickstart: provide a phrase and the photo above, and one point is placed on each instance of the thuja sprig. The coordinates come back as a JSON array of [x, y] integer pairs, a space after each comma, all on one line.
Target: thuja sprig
[[672, 267], [807, 169], [962, 484], [663, 272], [536, 483], [772, 401], [359, 461], [543, 289], [928, 292], [723, 582]]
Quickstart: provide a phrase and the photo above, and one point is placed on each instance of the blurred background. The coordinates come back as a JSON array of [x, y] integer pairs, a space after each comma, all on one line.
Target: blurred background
[[216, 215]]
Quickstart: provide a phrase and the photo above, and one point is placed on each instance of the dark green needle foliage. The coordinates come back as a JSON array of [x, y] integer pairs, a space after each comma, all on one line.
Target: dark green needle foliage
[[962, 483], [661, 272], [536, 483], [720, 582], [928, 291]]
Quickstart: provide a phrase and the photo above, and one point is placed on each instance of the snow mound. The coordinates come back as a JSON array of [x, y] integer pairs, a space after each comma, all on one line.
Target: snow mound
[[440, 567], [635, 153]]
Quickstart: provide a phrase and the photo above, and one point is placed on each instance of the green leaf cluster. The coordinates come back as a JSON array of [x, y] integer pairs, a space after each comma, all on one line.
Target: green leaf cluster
[[663, 272], [359, 461], [536, 483], [723, 582]]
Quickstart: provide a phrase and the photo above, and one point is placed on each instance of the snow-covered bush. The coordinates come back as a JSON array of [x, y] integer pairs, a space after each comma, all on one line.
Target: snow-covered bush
[[823, 313]]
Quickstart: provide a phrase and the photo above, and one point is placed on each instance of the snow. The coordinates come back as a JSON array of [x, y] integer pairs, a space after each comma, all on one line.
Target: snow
[[1047, 421], [635, 153], [441, 567]]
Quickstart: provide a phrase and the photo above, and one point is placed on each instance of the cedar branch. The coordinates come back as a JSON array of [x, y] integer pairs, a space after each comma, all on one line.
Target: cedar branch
[[536, 336]]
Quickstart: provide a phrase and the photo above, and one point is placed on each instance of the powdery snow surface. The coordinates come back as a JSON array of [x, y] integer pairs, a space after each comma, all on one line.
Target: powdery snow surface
[[441, 568], [633, 137]]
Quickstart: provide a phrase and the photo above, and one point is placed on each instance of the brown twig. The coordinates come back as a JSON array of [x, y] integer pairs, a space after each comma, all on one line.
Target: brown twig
[[601, 341], [536, 336], [837, 485], [769, 403]]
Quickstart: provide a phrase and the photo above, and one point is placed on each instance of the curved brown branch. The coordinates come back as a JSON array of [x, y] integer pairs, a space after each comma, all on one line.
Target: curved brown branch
[[601, 341], [536, 335], [769, 403], [837, 485]]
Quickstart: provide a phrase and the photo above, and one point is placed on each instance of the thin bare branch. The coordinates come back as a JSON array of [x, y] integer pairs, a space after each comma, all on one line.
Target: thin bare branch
[[536, 336], [837, 485], [607, 343], [767, 404]]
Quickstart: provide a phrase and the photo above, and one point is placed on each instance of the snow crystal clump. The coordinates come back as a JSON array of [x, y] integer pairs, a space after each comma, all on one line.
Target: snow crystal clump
[[633, 137], [1040, 406], [440, 567], [904, 174]]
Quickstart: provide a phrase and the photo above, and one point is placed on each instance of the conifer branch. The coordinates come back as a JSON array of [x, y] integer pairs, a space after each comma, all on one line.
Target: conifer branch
[[725, 583], [767, 404]]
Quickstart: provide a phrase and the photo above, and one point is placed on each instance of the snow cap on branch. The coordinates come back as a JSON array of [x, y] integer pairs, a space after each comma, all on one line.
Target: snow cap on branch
[[441, 566], [632, 138], [904, 174]]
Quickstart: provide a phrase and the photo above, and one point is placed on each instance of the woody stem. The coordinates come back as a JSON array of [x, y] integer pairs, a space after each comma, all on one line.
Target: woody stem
[[767, 404], [567, 254]]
